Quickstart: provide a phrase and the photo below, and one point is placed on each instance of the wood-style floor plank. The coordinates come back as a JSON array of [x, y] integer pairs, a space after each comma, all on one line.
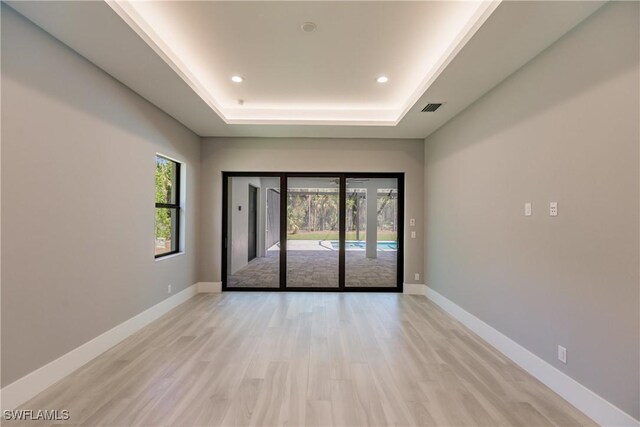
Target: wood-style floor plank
[[304, 359]]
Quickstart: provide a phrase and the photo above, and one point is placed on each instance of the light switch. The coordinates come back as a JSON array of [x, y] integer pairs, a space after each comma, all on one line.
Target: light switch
[[562, 354], [553, 209], [412, 222], [527, 209], [413, 234]]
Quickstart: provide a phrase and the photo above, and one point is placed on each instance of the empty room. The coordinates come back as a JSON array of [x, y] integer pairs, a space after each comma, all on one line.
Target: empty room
[[320, 213]]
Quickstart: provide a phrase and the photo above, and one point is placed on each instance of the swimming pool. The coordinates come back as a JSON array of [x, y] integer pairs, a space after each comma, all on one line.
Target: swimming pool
[[359, 244]]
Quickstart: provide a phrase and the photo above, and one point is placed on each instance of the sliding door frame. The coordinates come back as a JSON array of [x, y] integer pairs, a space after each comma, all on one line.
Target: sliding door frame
[[343, 176]]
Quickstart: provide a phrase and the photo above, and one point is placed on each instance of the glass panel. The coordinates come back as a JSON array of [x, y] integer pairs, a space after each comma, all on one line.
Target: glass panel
[[253, 233], [371, 245], [313, 232], [166, 172], [166, 227]]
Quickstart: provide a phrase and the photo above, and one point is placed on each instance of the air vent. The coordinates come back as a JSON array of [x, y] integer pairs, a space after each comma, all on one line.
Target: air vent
[[431, 108]]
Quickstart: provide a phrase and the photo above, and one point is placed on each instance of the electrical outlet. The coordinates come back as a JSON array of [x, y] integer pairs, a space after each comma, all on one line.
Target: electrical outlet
[[413, 234], [169, 289], [417, 276], [553, 208], [562, 354], [527, 209]]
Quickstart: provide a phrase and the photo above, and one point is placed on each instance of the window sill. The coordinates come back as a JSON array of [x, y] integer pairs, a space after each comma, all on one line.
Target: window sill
[[162, 258]]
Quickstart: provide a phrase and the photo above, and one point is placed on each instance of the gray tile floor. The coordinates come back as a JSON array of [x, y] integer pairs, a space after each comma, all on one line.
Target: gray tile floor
[[318, 268]]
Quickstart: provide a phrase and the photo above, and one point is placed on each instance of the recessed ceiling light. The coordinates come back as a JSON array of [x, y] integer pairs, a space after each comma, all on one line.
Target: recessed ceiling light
[[237, 79], [382, 79], [308, 27]]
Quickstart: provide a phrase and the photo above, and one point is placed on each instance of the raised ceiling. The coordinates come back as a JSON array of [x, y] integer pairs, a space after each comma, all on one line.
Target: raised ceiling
[[180, 55], [326, 76]]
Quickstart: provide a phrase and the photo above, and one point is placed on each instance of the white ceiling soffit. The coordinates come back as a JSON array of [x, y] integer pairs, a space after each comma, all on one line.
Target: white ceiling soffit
[[510, 36]]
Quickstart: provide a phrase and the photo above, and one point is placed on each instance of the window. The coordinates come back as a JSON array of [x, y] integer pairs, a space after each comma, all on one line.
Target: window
[[167, 207]]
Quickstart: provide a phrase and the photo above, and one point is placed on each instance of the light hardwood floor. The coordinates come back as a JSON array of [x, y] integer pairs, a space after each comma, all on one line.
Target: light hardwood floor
[[294, 359]]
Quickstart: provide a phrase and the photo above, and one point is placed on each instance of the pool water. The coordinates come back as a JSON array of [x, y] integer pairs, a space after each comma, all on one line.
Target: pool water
[[359, 244]]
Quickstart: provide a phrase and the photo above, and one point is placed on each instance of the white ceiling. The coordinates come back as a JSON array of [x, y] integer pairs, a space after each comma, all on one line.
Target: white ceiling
[[180, 56], [327, 76]]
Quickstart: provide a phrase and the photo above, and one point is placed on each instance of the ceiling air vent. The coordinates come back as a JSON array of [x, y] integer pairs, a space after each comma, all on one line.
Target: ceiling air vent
[[431, 108]]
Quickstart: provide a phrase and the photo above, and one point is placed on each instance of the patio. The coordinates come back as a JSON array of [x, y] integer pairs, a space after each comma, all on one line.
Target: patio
[[314, 263]]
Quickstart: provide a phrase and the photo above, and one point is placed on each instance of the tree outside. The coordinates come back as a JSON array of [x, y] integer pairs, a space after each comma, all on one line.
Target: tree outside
[[314, 214]]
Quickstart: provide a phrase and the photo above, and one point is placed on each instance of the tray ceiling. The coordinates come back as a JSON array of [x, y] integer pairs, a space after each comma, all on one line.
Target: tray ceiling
[[181, 56]]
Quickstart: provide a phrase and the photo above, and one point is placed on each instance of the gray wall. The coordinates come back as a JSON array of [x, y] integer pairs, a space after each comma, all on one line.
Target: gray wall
[[293, 155], [564, 128], [78, 162]]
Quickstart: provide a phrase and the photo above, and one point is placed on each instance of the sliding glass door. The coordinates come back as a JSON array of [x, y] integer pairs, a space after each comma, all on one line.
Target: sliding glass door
[[371, 247], [312, 231], [252, 238]]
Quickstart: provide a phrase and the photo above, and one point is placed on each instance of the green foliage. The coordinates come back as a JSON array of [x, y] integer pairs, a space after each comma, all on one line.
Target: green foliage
[[313, 214], [387, 210], [163, 223], [296, 213], [312, 211], [165, 175]]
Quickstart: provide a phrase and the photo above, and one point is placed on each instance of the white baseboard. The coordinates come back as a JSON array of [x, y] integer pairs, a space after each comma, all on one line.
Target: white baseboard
[[414, 289], [209, 287], [594, 406], [27, 387]]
